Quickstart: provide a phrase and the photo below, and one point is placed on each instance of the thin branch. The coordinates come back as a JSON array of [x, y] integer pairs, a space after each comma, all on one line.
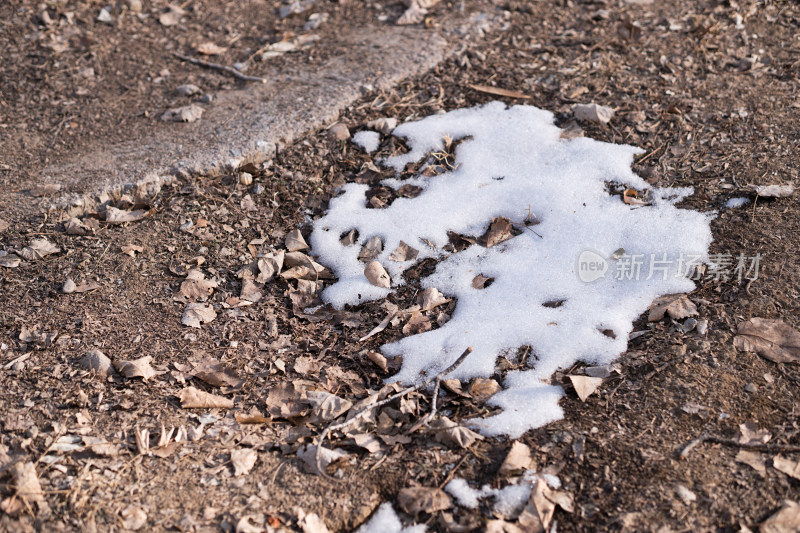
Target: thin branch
[[230, 70], [759, 446], [366, 409]]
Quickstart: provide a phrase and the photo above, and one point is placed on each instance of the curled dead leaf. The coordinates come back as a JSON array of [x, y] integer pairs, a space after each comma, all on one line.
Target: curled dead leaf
[[415, 500], [217, 374], [404, 252], [430, 298], [137, 368], [377, 275], [192, 398], [210, 49], [196, 314], [585, 386], [677, 306], [772, 339], [517, 460], [243, 460], [295, 242], [38, 249], [481, 389], [371, 249], [451, 434], [593, 113], [96, 361]]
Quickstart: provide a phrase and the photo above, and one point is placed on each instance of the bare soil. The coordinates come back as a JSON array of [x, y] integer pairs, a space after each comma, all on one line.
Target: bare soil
[[713, 104]]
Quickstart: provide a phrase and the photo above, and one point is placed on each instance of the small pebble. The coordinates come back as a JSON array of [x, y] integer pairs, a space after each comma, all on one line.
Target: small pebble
[[187, 89], [339, 132], [206, 98], [750, 387], [69, 286]]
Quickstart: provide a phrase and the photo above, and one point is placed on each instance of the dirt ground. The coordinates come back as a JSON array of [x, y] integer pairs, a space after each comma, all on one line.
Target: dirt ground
[[707, 89]]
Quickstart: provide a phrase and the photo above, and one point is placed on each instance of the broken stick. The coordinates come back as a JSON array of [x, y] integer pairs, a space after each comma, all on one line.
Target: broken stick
[[368, 408], [230, 70]]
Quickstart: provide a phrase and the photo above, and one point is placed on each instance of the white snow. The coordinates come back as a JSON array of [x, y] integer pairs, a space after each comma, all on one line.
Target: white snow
[[368, 140], [737, 202], [385, 520], [515, 164], [508, 501]]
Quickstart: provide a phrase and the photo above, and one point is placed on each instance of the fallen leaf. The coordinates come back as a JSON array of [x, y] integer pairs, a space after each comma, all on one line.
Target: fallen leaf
[[368, 442], [210, 49], [404, 252], [538, 513], [3, 225], [243, 460], [253, 417], [786, 520], [772, 339], [187, 113], [195, 314], [96, 361], [371, 249], [378, 360], [377, 275], [131, 249], [38, 249], [192, 398], [270, 265], [774, 191], [86, 287], [74, 226], [497, 91], [750, 434], [133, 517], [501, 526], [8, 260], [448, 432], [328, 406], [171, 17], [27, 484], [415, 500], [417, 323], [685, 494], [517, 460], [112, 215], [413, 15], [311, 523], [385, 125], [327, 456], [677, 306], [481, 389], [593, 113], [480, 281], [430, 298], [632, 197], [100, 446], [284, 401], [217, 374], [787, 466], [454, 386], [137, 368], [196, 287], [244, 525], [585, 385], [500, 230], [295, 242]]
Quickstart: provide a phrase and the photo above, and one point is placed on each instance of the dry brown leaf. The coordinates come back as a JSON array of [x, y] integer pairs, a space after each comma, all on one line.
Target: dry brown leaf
[[417, 323], [677, 306], [133, 517], [752, 459], [371, 249], [131, 249], [9, 260], [210, 49], [311, 523], [328, 406], [384, 125], [100, 446], [772, 339], [774, 191], [750, 434], [137, 368], [378, 360], [593, 113], [787, 520], [368, 442], [454, 386], [27, 484], [217, 374], [284, 401], [192, 398], [481, 389], [538, 513], [585, 386], [112, 215], [295, 242], [243, 460], [501, 526], [196, 287], [74, 226], [86, 287], [171, 17], [38, 249], [96, 361], [517, 460], [327, 456], [451, 434], [253, 417], [404, 252], [430, 298], [270, 265], [415, 500], [250, 291], [377, 275], [497, 91], [631, 197], [787, 466], [480, 281], [500, 230], [413, 15], [196, 314]]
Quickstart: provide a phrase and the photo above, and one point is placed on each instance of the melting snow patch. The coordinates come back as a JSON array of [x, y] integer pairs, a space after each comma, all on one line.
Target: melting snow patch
[[385, 520], [368, 140], [508, 501], [513, 163], [737, 202]]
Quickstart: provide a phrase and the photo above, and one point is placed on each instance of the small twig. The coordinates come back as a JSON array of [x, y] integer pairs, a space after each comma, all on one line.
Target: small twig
[[453, 471], [366, 409], [230, 70], [759, 446]]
